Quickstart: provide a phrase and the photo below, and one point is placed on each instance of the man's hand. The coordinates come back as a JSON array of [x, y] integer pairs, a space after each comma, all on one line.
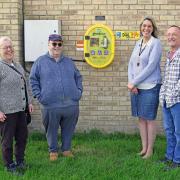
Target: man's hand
[[2, 117]]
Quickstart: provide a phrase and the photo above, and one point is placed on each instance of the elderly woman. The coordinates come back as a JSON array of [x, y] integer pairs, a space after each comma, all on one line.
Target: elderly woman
[[12, 107], [144, 77]]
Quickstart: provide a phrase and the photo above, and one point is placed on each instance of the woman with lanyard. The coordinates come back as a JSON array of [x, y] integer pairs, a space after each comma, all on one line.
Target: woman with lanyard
[[144, 78]]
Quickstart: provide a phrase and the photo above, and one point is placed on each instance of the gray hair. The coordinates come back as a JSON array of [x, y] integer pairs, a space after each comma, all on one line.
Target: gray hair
[[174, 27], [4, 38]]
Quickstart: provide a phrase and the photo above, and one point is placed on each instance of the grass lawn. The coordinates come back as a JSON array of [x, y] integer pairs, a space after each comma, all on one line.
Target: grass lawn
[[97, 157]]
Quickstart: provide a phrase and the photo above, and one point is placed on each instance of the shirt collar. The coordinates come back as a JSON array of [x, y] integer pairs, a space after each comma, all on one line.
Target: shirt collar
[[8, 63], [149, 42], [175, 54]]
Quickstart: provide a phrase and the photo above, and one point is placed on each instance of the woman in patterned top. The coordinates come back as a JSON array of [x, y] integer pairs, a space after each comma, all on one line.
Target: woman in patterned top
[[12, 107]]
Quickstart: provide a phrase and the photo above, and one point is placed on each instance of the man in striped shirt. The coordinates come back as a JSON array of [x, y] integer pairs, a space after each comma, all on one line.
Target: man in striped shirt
[[170, 99]]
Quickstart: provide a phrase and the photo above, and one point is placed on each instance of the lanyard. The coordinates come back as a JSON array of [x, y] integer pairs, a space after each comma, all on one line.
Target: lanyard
[[140, 52], [141, 49]]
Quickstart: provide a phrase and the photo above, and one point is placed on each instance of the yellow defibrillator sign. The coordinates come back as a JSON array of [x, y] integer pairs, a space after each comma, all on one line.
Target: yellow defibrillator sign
[[99, 45]]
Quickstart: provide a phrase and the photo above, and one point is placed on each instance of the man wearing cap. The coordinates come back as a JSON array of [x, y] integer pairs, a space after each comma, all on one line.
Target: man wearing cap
[[57, 85]]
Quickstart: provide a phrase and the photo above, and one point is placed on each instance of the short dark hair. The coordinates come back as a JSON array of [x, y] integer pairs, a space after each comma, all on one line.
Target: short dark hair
[[155, 31]]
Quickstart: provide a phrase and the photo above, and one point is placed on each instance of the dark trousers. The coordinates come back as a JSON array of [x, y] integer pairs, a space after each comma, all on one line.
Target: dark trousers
[[14, 127], [66, 118]]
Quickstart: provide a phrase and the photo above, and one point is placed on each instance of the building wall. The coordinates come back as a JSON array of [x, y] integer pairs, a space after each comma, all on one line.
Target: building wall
[[105, 104], [11, 23]]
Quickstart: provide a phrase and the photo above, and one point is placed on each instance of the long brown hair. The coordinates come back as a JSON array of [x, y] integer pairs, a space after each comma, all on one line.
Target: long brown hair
[[155, 31]]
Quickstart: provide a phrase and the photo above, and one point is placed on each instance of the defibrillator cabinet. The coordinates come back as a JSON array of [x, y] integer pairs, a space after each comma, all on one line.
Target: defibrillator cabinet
[[99, 44]]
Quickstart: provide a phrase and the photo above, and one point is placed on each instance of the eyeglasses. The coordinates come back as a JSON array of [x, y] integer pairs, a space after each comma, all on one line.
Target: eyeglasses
[[7, 47], [57, 44]]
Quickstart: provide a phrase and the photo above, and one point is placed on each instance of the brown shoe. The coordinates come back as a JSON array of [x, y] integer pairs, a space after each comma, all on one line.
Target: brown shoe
[[53, 156], [67, 154]]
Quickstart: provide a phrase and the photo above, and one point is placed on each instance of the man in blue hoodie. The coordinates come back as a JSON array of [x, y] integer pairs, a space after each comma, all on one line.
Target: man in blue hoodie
[[57, 85]]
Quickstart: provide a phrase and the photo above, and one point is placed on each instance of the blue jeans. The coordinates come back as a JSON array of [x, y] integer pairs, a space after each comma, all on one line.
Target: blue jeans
[[172, 129], [66, 118]]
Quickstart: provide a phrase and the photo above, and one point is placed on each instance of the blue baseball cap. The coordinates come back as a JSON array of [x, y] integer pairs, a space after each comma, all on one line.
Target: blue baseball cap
[[55, 37]]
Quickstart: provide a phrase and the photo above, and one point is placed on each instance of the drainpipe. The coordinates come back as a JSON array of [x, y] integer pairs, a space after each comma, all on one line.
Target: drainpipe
[[23, 51]]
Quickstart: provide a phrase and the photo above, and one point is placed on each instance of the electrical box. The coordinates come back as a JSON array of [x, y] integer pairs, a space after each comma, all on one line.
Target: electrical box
[[36, 33]]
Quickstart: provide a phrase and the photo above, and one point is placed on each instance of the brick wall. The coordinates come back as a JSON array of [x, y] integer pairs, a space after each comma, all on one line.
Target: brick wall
[[11, 23], [105, 104]]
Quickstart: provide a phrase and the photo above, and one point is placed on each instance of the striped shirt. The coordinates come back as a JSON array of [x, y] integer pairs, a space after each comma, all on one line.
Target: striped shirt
[[170, 89]]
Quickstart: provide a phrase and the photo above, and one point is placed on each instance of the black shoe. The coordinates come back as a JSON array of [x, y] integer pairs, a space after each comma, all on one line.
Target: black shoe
[[165, 161], [11, 168], [172, 166], [175, 165], [21, 166]]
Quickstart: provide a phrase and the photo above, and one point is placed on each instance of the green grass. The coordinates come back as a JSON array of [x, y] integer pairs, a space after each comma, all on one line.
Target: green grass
[[97, 157]]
